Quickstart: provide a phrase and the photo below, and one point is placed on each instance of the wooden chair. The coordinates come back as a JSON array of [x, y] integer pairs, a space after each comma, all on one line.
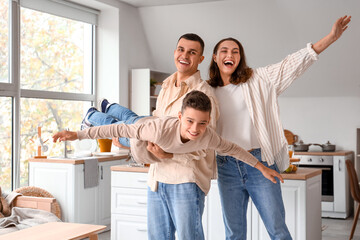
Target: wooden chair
[[355, 192]]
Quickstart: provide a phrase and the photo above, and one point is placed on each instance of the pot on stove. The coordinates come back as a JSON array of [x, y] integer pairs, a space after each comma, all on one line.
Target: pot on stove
[[327, 147], [301, 147]]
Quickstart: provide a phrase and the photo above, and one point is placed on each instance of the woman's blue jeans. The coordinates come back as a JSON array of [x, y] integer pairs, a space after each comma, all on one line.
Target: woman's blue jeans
[[115, 114], [175, 207], [237, 181]]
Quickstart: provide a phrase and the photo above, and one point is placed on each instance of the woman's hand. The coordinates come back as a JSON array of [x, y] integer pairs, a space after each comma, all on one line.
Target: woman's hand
[[269, 173], [157, 151], [116, 143], [337, 30], [65, 136], [340, 26]]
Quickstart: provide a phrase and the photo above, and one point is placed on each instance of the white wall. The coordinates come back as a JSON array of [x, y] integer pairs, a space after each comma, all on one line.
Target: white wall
[[269, 30], [121, 46], [318, 120]]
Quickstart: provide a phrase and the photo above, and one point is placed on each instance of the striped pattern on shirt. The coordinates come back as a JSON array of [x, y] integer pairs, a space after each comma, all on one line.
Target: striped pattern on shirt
[[261, 92]]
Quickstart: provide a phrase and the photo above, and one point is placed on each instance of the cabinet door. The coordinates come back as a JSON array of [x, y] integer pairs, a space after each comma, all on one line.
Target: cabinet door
[[85, 199], [104, 192], [140, 91], [58, 179], [125, 227], [341, 178]]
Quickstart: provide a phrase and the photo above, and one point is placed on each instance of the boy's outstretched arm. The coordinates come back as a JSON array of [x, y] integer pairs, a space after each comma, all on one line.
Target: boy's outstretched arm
[[269, 173], [65, 136]]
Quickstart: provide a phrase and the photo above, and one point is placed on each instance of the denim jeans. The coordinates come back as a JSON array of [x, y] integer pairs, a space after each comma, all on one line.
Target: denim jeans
[[237, 181], [175, 207], [115, 114]]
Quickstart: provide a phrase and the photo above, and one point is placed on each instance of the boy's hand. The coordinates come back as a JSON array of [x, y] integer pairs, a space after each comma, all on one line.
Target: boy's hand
[[65, 136], [269, 173], [157, 151]]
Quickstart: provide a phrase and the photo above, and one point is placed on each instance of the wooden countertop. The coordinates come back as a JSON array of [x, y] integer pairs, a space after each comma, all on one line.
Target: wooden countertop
[[127, 168], [336, 153], [300, 174], [79, 160]]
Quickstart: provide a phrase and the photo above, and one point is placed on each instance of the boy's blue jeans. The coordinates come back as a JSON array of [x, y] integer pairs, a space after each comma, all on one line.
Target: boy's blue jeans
[[175, 207], [237, 181], [115, 114]]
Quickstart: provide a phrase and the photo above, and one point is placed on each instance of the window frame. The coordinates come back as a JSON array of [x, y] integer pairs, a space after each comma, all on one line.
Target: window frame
[[12, 88]]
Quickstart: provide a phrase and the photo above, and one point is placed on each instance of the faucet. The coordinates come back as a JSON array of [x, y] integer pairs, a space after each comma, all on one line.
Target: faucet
[[66, 146]]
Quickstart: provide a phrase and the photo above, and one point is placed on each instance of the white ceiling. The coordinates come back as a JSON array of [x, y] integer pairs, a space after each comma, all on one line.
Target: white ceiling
[[149, 3]]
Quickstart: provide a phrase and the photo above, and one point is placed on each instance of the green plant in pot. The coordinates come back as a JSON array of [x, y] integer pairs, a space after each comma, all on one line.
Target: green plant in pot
[[152, 86]]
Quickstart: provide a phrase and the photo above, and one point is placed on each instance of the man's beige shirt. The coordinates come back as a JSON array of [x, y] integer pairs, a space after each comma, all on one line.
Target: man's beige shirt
[[197, 167]]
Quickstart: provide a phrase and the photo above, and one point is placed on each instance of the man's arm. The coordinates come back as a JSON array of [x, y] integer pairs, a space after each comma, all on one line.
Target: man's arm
[[337, 30]]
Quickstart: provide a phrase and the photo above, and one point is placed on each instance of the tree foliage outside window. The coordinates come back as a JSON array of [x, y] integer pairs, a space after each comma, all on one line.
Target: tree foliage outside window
[[4, 40], [5, 143]]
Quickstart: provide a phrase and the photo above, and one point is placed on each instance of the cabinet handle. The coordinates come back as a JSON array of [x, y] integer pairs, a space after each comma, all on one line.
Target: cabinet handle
[[141, 203], [102, 173], [339, 166], [141, 229], [142, 180]]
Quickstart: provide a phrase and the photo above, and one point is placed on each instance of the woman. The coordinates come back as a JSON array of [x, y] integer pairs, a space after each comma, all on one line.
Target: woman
[[249, 96]]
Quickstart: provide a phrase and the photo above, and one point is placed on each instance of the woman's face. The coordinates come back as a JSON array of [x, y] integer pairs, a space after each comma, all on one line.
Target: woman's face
[[227, 57]]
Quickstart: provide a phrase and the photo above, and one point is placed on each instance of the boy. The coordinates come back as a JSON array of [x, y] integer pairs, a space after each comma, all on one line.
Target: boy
[[187, 133]]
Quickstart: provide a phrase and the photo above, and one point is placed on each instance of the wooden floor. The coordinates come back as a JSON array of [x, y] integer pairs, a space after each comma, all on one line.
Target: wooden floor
[[333, 229]]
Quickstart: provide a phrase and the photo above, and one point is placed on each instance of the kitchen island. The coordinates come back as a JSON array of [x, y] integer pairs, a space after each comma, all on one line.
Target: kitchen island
[[301, 193], [64, 178]]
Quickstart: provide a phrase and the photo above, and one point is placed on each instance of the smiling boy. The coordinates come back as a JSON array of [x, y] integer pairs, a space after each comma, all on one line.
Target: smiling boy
[[187, 133]]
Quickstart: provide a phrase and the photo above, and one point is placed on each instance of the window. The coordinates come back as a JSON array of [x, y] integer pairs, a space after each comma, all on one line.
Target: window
[[5, 143], [51, 80]]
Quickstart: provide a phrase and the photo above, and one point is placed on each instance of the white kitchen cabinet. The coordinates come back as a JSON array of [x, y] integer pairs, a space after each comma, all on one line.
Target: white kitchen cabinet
[[128, 205], [64, 179], [142, 103], [302, 200]]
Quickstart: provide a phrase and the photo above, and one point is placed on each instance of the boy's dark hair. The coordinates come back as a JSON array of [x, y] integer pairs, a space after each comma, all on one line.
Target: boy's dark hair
[[196, 100], [194, 37]]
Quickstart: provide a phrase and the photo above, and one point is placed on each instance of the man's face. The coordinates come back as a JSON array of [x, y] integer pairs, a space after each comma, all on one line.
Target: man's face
[[187, 56], [193, 123]]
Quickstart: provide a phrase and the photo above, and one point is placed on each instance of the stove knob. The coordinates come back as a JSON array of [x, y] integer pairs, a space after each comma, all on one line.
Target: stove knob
[[309, 160], [321, 160]]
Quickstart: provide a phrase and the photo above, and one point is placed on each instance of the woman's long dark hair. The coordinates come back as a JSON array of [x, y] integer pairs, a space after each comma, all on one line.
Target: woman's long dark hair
[[241, 74]]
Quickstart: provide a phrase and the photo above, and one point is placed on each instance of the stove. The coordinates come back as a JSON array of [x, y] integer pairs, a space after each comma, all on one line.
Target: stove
[[336, 201]]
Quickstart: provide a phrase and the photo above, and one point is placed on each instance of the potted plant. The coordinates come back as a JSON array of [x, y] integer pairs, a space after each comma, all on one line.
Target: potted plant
[[152, 86]]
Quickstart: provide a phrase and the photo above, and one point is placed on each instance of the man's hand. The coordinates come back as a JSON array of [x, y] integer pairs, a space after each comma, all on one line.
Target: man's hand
[[269, 173], [65, 136], [157, 151], [116, 143]]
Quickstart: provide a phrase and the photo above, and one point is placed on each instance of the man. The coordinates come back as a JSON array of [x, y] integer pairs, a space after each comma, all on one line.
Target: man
[[177, 188]]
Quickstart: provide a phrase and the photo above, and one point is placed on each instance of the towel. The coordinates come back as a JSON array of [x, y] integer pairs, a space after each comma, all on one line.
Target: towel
[[91, 173]]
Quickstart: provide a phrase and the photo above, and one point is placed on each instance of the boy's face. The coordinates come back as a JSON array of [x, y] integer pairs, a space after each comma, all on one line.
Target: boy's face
[[187, 56], [193, 123]]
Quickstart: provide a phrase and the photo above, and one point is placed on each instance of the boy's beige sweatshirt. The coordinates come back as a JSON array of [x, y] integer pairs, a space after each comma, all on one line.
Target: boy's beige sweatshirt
[[165, 132]]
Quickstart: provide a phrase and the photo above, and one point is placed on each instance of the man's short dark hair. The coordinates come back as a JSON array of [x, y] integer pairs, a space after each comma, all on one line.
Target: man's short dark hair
[[194, 37], [197, 100]]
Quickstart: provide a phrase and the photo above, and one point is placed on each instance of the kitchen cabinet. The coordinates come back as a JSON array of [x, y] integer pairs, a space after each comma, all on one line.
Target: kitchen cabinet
[[301, 193], [64, 179], [142, 102], [128, 203]]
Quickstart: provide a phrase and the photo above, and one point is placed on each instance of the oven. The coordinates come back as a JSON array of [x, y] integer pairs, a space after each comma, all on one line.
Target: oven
[[335, 192]]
